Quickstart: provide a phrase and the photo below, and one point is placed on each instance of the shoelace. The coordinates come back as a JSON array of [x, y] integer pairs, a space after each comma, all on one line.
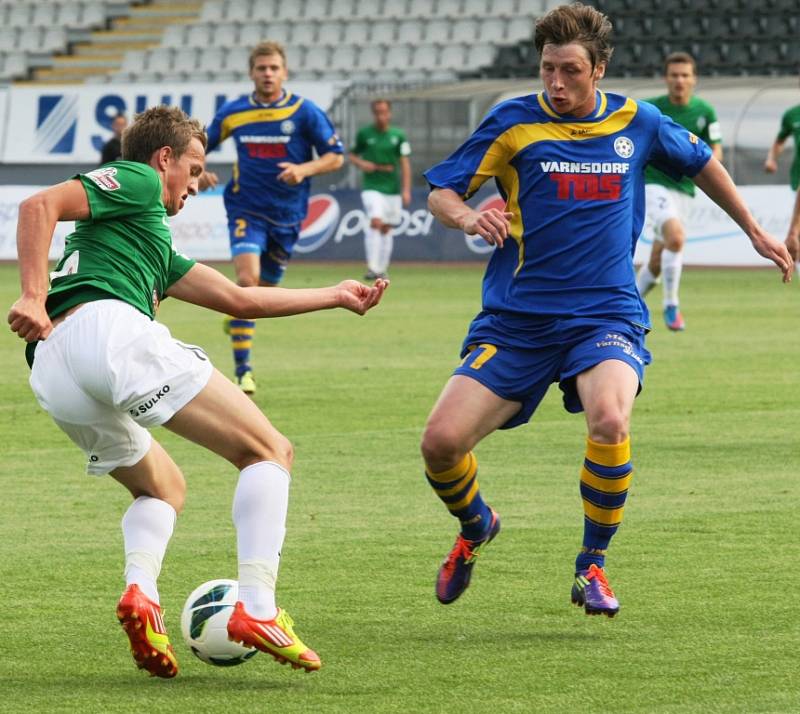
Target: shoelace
[[600, 576], [462, 549]]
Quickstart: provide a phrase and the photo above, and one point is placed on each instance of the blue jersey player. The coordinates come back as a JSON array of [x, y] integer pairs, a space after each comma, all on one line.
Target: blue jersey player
[[560, 302], [276, 133]]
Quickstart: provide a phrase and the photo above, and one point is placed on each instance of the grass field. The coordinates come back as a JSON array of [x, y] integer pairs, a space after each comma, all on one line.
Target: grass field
[[704, 565]]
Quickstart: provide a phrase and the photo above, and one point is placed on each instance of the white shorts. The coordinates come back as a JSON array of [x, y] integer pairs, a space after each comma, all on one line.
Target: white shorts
[[107, 372], [386, 206], [662, 204]]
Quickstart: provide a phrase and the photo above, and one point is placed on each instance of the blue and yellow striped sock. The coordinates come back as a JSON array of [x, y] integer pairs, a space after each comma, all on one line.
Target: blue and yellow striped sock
[[605, 478], [458, 488], [241, 332]]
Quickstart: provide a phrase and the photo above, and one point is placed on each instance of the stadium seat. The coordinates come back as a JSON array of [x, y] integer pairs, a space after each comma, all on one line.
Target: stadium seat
[[343, 57], [399, 57], [198, 35], [422, 9], [29, 39], [383, 32], [44, 14], [504, 8], [516, 31], [14, 65], [480, 56], [69, 15], [354, 33], [453, 57], [402, 9], [250, 35], [134, 61], [287, 10], [316, 59], [438, 31], [330, 33], [159, 59], [185, 60], [304, 32], [264, 10], [238, 10], [54, 39], [276, 31], [93, 15], [408, 31], [225, 34], [211, 60], [8, 39], [174, 36], [212, 11], [423, 57], [451, 9], [316, 9], [19, 15], [371, 57], [237, 60]]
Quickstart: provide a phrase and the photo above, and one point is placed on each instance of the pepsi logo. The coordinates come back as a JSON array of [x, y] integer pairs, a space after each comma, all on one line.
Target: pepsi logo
[[319, 224], [475, 243]]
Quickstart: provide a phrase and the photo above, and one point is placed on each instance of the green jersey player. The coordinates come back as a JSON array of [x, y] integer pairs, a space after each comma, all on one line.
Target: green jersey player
[[668, 201], [380, 151], [790, 126], [106, 371]]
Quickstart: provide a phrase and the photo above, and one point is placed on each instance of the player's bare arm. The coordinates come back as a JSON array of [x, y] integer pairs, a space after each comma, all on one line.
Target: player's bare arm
[[793, 235], [405, 178], [771, 162], [367, 167], [37, 220], [716, 151], [207, 287], [207, 180], [715, 181], [449, 208], [293, 174]]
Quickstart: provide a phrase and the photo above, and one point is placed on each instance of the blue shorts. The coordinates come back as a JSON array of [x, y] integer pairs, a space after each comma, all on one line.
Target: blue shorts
[[250, 233], [519, 359]]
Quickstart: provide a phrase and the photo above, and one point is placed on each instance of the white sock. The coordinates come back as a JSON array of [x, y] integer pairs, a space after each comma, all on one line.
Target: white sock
[[645, 280], [146, 529], [387, 244], [671, 267], [797, 268], [372, 248], [259, 514]]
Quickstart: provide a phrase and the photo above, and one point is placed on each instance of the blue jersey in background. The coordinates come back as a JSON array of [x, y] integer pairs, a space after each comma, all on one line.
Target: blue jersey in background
[[266, 135], [576, 189]]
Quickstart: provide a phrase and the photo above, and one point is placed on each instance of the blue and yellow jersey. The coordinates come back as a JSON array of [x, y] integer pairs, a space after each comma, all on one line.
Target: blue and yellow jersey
[[576, 189], [267, 135]]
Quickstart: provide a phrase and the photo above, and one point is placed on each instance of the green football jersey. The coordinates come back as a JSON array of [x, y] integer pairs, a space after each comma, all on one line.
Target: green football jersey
[[124, 250], [790, 124], [698, 117], [382, 147]]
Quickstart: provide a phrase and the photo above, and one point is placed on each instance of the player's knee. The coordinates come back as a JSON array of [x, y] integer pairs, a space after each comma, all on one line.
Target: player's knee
[[376, 223], [609, 426], [440, 447], [268, 448], [674, 236], [247, 280]]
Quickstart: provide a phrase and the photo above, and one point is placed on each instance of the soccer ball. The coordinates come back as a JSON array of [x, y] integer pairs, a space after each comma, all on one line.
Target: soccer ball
[[204, 623]]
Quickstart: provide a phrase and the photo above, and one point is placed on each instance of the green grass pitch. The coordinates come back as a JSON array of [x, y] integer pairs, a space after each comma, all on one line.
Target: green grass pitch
[[704, 565]]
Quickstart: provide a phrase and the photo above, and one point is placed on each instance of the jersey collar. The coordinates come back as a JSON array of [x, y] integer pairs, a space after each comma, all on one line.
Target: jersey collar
[[600, 102], [281, 101]]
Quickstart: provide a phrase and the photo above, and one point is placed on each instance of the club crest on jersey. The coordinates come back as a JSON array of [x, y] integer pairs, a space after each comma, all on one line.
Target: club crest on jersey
[[692, 138], [287, 126], [105, 178], [624, 147]]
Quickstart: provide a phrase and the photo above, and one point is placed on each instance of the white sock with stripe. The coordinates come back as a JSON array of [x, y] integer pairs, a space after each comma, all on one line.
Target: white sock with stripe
[[373, 241], [387, 245], [259, 514], [671, 268], [146, 529]]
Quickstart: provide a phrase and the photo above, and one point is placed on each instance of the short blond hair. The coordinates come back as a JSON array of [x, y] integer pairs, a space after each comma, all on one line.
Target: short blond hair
[[267, 47], [160, 126]]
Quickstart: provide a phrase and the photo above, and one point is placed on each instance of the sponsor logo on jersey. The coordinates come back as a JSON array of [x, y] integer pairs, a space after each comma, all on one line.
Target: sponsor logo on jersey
[[586, 180], [475, 243], [265, 147], [148, 404], [624, 147], [319, 224], [105, 178]]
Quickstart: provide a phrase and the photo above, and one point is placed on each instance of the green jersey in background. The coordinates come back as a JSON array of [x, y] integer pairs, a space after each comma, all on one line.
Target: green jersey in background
[[124, 250], [790, 124], [698, 117], [382, 147]]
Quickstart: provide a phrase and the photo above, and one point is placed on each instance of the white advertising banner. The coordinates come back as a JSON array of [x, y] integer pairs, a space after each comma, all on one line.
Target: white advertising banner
[[334, 228], [69, 124], [3, 117]]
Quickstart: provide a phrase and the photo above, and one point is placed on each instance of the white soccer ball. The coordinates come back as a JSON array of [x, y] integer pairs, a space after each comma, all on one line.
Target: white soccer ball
[[204, 623]]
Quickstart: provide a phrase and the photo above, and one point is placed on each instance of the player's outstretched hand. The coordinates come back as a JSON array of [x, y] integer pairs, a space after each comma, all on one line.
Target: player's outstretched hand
[[493, 225], [207, 180], [770, 166], [28, 318], [292, 174], [772, 249], [359, 298]]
